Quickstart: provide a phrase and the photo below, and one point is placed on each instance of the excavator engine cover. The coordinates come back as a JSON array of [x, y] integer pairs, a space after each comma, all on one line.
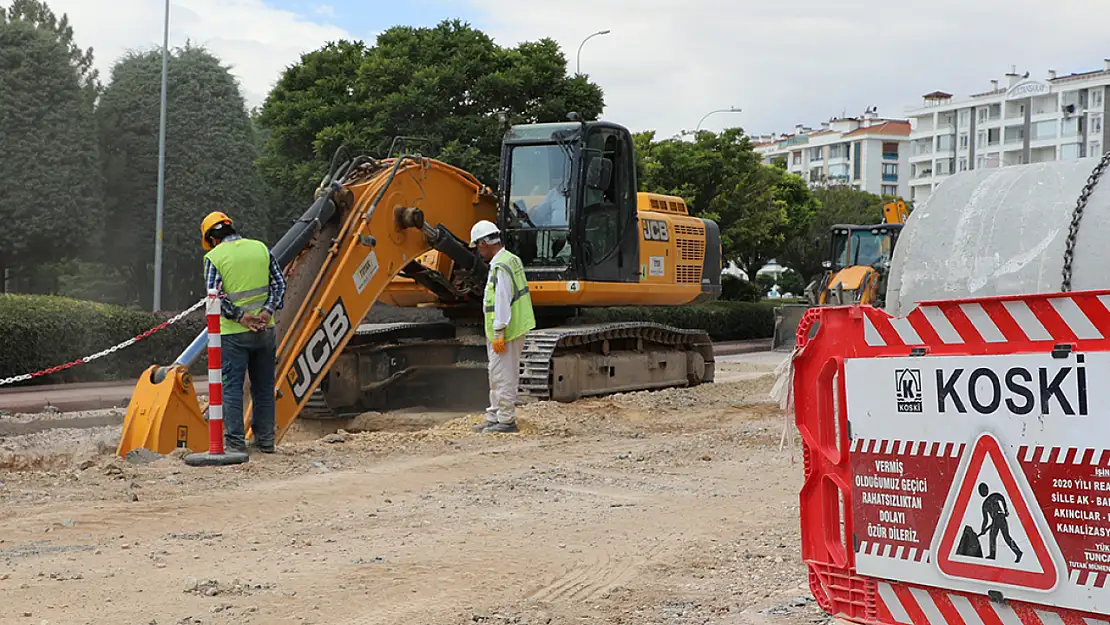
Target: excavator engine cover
[[164, 414]]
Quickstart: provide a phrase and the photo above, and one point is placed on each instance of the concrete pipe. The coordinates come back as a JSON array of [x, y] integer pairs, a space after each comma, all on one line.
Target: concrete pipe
[[1002, 231]]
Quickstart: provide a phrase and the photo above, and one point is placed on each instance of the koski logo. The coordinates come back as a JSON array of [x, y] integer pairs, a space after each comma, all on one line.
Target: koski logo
[[907, 389]]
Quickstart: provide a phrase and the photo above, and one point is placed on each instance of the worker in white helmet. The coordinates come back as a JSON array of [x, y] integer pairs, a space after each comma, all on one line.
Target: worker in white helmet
[[508, 318]]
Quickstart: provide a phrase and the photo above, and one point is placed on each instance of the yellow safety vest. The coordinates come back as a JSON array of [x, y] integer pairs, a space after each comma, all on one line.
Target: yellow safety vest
[[244, 265], [522, 317]]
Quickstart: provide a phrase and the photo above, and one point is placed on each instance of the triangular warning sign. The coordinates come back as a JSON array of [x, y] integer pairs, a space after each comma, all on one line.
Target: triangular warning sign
[[996, 539]]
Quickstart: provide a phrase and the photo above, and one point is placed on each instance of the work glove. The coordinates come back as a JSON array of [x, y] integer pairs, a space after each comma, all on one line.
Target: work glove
[[499, 345]]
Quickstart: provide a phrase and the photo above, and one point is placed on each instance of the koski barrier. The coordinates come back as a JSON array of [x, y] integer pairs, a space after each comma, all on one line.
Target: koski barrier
[[957, 460]]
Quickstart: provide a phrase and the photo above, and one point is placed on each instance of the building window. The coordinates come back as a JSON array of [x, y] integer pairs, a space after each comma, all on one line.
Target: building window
[[857, 161], [890, 172], [816, 174], [981, 138], [797, 158], [1071, 127], [944, 143], [943, 167], [1096, 149], [890, 151], [839, 150], [983, 112], [1096, 123], [965, 117], [817, 154], [1044, 130], [963, 163], [964, 141], [1096, 98], [890, 189], [1069, 151]]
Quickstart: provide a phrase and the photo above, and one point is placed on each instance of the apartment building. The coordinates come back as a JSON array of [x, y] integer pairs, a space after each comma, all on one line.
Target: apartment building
[[866, 152], [1028, 120]]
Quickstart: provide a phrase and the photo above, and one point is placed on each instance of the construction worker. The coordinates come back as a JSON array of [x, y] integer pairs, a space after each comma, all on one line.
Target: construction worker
[[252, 290], [508, 317]]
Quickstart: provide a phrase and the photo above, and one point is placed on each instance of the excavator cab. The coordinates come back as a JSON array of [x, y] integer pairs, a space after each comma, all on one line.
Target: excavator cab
[[568, 203]]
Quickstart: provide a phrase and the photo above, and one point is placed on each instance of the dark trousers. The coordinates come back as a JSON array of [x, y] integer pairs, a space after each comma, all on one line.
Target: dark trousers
[[251, 354]]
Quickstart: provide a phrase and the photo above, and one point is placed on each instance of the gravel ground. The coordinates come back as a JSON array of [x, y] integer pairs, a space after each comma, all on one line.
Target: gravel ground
[[671, 507]]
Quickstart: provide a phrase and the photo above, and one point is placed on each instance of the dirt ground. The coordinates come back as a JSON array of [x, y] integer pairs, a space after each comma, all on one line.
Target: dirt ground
[[673, 507]]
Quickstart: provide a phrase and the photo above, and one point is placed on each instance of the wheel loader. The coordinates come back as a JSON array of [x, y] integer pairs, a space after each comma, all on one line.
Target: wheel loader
[[390, 231]]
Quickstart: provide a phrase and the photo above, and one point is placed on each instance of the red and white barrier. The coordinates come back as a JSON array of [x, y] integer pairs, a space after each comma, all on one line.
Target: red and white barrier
[[215, 377]]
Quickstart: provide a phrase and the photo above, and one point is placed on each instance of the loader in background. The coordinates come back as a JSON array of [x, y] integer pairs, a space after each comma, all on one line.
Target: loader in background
[[855, 270]]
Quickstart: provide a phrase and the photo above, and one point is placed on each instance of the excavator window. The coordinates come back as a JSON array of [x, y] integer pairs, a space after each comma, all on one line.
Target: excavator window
[[539, 204]]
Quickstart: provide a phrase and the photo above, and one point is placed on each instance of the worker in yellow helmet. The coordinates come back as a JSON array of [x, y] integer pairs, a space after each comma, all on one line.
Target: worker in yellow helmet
[[252, 290], [508, 318]]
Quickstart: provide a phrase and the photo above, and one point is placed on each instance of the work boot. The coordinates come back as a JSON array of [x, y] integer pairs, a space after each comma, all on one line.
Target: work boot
[[502, 428], [481, 427]]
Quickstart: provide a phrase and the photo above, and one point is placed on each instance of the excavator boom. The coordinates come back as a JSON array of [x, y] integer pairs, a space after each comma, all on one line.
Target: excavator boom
[[382, 233]]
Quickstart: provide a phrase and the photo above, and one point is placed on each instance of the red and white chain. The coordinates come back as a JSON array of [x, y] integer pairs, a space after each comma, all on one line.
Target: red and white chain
[[172, 320]]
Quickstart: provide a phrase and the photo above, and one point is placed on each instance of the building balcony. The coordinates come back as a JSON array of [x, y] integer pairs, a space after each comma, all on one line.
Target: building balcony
[[920, 158], [890, 156], [890, 177]]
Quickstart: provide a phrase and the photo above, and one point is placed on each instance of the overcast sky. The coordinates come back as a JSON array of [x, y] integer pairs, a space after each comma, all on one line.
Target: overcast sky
[[666, 63]]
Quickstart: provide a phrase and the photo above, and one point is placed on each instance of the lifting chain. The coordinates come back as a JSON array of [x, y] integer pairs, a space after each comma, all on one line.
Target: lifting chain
[[1077, 215], [111, 350]]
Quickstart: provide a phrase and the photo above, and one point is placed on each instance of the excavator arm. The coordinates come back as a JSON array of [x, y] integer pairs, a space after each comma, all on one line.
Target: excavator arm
[[388, 227], [386, 215]]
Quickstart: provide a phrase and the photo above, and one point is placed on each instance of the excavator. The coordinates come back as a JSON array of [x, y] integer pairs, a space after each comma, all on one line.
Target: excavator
[[388, 231], [859, 258]]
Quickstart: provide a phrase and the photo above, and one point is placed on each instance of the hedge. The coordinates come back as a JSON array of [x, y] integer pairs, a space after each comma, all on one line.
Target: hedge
[[41, 331], [725, 320]]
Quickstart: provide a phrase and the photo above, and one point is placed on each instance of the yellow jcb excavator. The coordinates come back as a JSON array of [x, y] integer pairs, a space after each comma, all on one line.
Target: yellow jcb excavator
[[388, 231]]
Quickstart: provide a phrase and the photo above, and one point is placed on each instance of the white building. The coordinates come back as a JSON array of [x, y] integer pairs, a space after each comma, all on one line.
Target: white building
[[867, 152], [1028, 120]]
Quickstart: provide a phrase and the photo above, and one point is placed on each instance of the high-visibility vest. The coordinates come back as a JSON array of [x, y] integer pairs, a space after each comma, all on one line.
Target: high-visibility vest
[[244, 265], [522, 318]]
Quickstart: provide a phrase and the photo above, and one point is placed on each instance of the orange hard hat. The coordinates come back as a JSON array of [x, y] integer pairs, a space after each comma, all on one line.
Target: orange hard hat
[[215, 218]]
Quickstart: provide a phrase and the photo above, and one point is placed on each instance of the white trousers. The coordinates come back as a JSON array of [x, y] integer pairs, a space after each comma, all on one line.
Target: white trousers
[[504, 377]]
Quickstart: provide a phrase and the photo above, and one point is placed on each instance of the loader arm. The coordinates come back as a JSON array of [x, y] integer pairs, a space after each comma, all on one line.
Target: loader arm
[[397, 207]]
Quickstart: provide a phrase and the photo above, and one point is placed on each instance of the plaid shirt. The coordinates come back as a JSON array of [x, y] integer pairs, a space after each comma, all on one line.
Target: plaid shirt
[[274, 301]]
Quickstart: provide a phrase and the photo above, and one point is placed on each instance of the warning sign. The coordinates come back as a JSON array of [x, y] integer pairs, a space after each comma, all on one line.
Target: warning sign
[[983, 473], [990, 514]]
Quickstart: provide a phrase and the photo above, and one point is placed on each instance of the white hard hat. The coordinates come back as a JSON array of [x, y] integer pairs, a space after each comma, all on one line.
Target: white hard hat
[[481, 230]]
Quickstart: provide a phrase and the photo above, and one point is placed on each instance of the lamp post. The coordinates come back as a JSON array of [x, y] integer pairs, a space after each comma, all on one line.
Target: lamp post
[[731, 109], [161, 166], [578, 57]]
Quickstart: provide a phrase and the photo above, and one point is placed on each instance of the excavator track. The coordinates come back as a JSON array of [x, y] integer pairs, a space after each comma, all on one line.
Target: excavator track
[[561, 363], [566, 363]]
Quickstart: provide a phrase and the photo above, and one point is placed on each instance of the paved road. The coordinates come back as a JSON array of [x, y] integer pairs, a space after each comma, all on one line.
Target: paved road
[[98, 395]]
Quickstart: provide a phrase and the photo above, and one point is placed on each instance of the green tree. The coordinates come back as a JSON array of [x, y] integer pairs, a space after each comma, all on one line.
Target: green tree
[[210, 152], [805, 251], [39, 14], [759, 212], [51, 196], [442, 87]]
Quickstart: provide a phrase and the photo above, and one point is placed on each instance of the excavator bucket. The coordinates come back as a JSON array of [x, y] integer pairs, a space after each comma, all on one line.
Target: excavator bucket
[[164, 414]]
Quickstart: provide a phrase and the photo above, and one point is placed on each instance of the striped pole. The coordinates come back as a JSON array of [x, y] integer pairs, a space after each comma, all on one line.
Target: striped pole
[[215, 377]]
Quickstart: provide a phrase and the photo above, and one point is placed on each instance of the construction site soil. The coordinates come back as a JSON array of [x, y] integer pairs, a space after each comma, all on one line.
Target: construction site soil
[[674, 507]]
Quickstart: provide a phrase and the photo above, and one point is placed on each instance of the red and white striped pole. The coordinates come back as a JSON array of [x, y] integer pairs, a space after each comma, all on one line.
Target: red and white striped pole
[[215, 377], [216, 454]]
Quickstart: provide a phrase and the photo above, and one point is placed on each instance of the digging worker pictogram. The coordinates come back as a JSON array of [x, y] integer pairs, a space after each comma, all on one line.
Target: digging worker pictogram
[[995, 512], [508, 318], [252, 290]]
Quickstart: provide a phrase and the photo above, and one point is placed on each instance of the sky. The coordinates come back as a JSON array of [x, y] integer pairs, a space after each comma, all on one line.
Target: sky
[[666, 63]]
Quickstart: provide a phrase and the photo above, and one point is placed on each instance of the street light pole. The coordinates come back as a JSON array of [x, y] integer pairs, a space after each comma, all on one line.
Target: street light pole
[[731, 109], [578, 57], [161, 167]]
